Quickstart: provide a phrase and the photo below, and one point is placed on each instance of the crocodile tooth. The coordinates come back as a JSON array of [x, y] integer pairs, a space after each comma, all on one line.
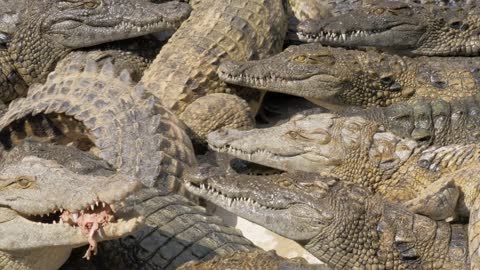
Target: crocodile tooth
[[92, 206], [103, 204], [75, 217]]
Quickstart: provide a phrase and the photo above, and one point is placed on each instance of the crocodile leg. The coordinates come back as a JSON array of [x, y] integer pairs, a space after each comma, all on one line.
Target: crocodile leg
[[438, 201]]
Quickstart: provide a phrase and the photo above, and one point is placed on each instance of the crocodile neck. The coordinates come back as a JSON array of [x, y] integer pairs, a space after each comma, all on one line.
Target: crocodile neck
[[33, 55], [28, 59]]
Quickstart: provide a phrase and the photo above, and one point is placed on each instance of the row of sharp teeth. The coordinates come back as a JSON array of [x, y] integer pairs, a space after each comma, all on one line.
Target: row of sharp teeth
[[256, 80], [335, 36], [127, 25], [74, 214], [249, 156], [231, 201]]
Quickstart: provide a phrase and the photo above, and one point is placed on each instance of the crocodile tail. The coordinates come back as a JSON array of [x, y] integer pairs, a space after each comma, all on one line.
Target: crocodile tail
[[127, 127]]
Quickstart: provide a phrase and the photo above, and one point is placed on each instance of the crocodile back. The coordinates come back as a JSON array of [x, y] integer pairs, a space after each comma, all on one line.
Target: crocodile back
[[185, 68]]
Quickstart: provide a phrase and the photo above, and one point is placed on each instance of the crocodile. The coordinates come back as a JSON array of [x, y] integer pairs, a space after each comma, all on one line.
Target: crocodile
[[335, 77], [183, 76], [344, 225], [311, 15], [441, 182], [50, 29], [48, 209], [252, 260], [406, 28], [91, 108]]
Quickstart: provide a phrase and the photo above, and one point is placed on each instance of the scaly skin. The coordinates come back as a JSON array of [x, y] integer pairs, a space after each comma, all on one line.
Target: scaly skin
[[340, 223], [31, 187], [183, 75], [177, 232], [335, 77], [106, 114], [252, 261], [133, 55], [400, 27], [431, 122], [50, 29], [440, 182]]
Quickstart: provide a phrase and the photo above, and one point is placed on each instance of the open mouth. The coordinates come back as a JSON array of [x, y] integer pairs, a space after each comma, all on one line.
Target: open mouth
[[227, 200], [259, 154], [332, 36], [148, 27], [249, 79], [91, 221]]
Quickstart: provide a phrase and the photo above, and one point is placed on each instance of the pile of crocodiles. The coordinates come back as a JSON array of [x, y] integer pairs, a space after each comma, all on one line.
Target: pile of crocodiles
[[348, 126]]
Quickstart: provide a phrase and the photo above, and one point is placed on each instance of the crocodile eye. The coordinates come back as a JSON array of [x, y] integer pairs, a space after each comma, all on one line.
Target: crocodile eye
[[285, 183], [90, 5], [300, 58], [23, 181], [320, 58], [379, 11], [296, 135]]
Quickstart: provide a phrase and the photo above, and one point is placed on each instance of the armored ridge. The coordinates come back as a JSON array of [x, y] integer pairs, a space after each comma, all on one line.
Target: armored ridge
[[106, 121], [335, 77], [342, 224], [96, 111], [49, 30], [47, 209], [400, 27], [183, 76]]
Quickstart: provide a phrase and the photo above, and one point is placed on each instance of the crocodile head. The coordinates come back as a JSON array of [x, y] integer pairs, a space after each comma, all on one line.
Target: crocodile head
[[398, 27], [317, 212], [44, 205], [285, 207], [324, 143], [83, 23], [330, 77]]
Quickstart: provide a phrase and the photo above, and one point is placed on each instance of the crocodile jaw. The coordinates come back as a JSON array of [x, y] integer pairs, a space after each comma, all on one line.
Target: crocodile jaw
[[281, 220]]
